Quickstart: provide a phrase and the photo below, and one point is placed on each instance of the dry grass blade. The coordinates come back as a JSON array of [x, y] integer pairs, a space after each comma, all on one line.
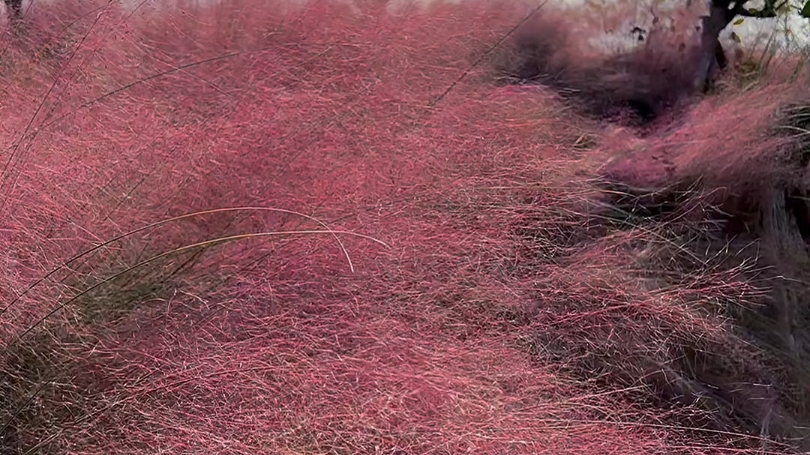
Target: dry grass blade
[[182, 249], [161, 223]]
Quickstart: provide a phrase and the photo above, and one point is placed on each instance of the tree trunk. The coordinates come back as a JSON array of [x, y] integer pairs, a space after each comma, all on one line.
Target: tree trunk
[[711, 56]]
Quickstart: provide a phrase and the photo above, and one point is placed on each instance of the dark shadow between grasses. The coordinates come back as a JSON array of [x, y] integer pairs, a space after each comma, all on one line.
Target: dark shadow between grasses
[[634, 87]]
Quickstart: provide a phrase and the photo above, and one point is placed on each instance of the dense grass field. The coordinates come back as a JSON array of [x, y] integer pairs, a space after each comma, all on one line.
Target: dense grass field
[[261, 227]]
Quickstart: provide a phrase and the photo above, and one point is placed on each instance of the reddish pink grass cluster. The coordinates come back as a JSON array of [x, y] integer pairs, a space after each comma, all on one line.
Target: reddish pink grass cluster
[[116, 118]]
